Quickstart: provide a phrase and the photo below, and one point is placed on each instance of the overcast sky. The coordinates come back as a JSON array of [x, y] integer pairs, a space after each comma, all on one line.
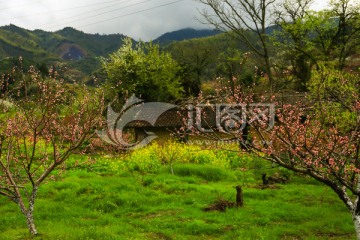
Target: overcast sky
[[139, 19]]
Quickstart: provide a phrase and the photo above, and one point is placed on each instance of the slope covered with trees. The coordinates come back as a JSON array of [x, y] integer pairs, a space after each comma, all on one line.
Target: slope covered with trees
[[185, 34], [68, 47]]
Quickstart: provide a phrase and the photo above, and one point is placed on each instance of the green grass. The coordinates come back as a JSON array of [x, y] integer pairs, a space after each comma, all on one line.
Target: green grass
[[130, 205]]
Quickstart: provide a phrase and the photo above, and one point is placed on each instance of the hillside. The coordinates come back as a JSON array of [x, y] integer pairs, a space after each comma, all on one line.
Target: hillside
[[39, 43], [185, 34], [68, 47]]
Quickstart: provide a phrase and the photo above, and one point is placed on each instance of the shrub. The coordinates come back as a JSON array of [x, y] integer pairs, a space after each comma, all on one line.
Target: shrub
[[152, 157]]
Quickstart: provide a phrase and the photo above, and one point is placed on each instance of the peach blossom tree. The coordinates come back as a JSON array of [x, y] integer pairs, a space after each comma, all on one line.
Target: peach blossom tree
[[321, 138], [42, 122], [318, 136]]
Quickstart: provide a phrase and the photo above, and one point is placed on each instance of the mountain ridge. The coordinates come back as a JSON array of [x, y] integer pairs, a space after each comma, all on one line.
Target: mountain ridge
[[185, 34], [40, 41], [70, 48]]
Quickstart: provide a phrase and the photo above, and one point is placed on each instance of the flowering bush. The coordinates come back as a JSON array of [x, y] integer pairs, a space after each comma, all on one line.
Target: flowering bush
[[154, 156]]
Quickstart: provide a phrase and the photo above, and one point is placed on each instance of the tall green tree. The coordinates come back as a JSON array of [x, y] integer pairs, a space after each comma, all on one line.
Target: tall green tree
[[346, 34], [243, 20], [309, 38], [144, 71], [293, 39], [198, 58]]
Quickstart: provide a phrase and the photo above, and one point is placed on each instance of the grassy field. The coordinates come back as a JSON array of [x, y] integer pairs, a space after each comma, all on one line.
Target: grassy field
[[133, 204]]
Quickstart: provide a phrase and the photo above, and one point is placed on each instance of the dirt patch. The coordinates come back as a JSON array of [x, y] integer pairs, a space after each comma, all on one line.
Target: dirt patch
[[219, 205], [158, 236], [268, 186], [71, 52]]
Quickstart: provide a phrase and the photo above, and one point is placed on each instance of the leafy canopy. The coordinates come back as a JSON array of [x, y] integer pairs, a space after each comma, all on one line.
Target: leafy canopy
[[144, 71]]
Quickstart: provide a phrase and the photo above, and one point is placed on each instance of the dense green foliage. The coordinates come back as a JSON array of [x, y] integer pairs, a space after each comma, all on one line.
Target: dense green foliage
[[337, 95], [144, 71], [308, 38], [213, 59]]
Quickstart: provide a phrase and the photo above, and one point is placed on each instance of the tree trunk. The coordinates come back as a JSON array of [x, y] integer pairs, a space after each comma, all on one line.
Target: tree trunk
[[355, 211], [354, 207], [356, 220], [269, 73], [264, 179], [171, 168], [239, 197], [29, 213], [31, 223]]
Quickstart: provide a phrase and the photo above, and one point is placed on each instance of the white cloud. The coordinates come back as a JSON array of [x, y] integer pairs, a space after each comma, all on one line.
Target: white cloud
[[145, 19]]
